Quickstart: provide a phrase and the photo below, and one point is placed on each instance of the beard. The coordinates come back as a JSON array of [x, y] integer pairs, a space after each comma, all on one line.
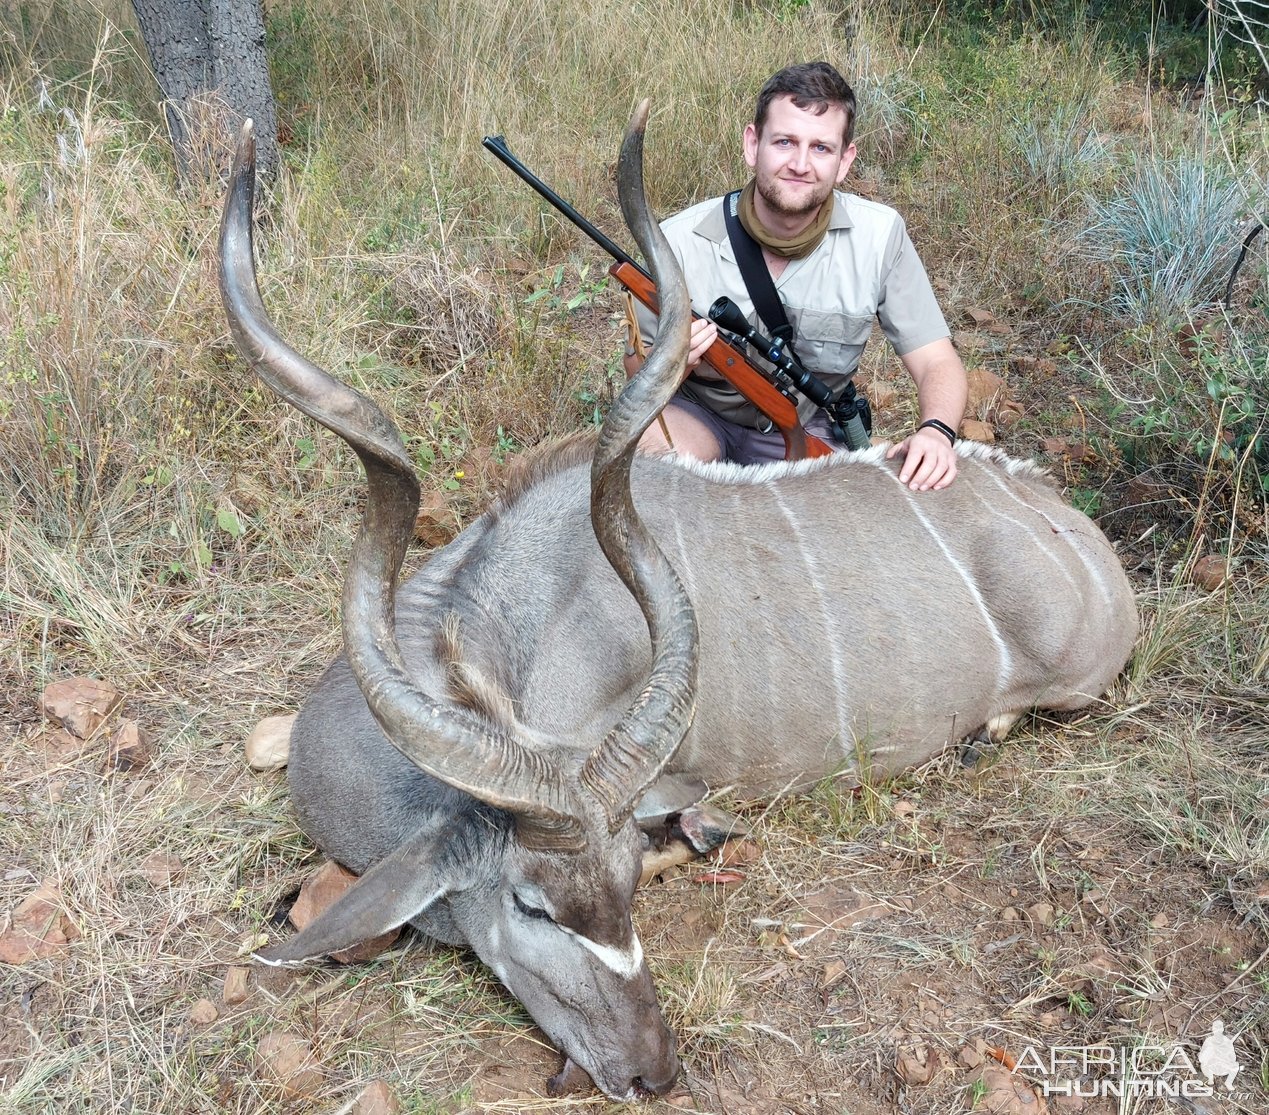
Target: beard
[[781, 200]]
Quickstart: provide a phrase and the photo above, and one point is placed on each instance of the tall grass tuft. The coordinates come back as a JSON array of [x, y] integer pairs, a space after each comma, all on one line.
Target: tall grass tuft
[[1169, 235]]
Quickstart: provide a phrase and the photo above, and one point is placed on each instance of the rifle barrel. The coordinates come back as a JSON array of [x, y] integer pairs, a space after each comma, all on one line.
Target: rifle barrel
[[497, 145]]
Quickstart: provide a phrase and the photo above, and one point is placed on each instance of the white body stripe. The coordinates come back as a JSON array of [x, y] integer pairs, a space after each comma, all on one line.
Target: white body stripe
[[845, 730], [1005, 672]]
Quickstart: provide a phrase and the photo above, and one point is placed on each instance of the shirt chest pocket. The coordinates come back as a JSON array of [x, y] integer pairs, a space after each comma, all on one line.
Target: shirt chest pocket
[[831, 342]]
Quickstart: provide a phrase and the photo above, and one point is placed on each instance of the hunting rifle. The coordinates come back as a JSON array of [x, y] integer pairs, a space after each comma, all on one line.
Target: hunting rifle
[[722, 356]]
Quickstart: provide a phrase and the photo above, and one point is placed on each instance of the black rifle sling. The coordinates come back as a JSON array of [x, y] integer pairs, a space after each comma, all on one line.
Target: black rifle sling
[[753, 269], [849, 405]]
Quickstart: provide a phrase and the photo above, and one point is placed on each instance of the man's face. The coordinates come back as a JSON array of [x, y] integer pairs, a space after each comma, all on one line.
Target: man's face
[[799, 157]]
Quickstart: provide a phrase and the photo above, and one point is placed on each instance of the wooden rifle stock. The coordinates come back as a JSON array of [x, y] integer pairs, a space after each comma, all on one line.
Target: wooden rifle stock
[[736, 370], [722, 357]]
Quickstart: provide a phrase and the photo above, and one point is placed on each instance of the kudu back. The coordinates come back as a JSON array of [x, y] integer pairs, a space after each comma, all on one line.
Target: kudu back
[[480, 749]]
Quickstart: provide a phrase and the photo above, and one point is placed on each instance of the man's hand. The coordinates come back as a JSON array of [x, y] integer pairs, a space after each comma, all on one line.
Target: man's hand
[[929, 457], [929, 461], [704, 334]]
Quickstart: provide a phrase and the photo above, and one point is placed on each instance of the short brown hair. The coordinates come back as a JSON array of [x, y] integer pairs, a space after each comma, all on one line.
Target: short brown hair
[[813, 85]]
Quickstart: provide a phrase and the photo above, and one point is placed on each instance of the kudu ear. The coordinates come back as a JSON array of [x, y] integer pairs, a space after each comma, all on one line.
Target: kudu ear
[[399, 887]]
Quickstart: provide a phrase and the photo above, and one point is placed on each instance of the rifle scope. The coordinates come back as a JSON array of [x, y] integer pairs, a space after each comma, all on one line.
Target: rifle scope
[[847, 415]]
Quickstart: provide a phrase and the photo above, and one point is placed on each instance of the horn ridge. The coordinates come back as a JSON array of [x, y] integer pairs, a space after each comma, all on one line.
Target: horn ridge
[[451, 744], [643, 741]]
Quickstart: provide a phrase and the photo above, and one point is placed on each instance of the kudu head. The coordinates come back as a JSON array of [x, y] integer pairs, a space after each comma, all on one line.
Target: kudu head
[[534, 860]]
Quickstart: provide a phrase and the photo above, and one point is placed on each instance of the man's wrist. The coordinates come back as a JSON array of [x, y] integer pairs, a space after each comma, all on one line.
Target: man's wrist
[[942, 427]]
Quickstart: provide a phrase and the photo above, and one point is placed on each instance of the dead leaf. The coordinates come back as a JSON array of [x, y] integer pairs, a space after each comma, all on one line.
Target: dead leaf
[[973, 430], [832, 974], [916, 1064], [435, 524]]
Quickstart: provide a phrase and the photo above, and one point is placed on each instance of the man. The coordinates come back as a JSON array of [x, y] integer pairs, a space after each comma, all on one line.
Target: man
[[837, 262]]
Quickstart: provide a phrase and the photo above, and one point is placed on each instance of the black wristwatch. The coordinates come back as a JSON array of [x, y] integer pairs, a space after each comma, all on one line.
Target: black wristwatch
[[942, 427]]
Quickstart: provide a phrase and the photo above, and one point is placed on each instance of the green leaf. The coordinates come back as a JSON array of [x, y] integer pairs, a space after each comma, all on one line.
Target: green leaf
[[228, 521], [307, 450]]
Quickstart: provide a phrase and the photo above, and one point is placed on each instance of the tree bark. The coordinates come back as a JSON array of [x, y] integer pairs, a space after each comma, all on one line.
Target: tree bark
[[204, 47]]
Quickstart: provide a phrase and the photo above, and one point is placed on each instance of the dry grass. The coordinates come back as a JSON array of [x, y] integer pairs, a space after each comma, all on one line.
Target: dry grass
[[169, 528]]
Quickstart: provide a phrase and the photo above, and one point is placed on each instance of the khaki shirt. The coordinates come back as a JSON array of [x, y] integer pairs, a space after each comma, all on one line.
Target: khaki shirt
[[865, 268]]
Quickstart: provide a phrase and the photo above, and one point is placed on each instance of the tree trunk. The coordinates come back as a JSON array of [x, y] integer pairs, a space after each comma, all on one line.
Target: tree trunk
[[202, 47]]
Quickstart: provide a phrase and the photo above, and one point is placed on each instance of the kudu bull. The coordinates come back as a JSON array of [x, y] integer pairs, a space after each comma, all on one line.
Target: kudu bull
[[480, 749]]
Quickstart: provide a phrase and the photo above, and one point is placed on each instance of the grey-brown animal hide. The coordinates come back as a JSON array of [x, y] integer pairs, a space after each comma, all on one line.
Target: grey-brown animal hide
[[818, 617]]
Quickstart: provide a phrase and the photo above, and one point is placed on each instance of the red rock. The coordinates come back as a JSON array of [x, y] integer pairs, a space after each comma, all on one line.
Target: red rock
[[287, 1060], [160, 868], [203, 1012], [984, 387], [38, 928], [129, 748], [236, 986], [973, 430], [376, 1099], [80, 704], [1209, 572], [1005, 1094], [1040, 913]]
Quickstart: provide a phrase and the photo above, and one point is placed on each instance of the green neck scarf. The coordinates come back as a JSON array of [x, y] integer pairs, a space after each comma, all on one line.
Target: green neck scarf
[[795, 247]]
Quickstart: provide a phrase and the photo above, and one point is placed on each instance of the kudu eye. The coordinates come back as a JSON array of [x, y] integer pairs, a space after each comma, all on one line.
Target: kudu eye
[[533, 913]]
